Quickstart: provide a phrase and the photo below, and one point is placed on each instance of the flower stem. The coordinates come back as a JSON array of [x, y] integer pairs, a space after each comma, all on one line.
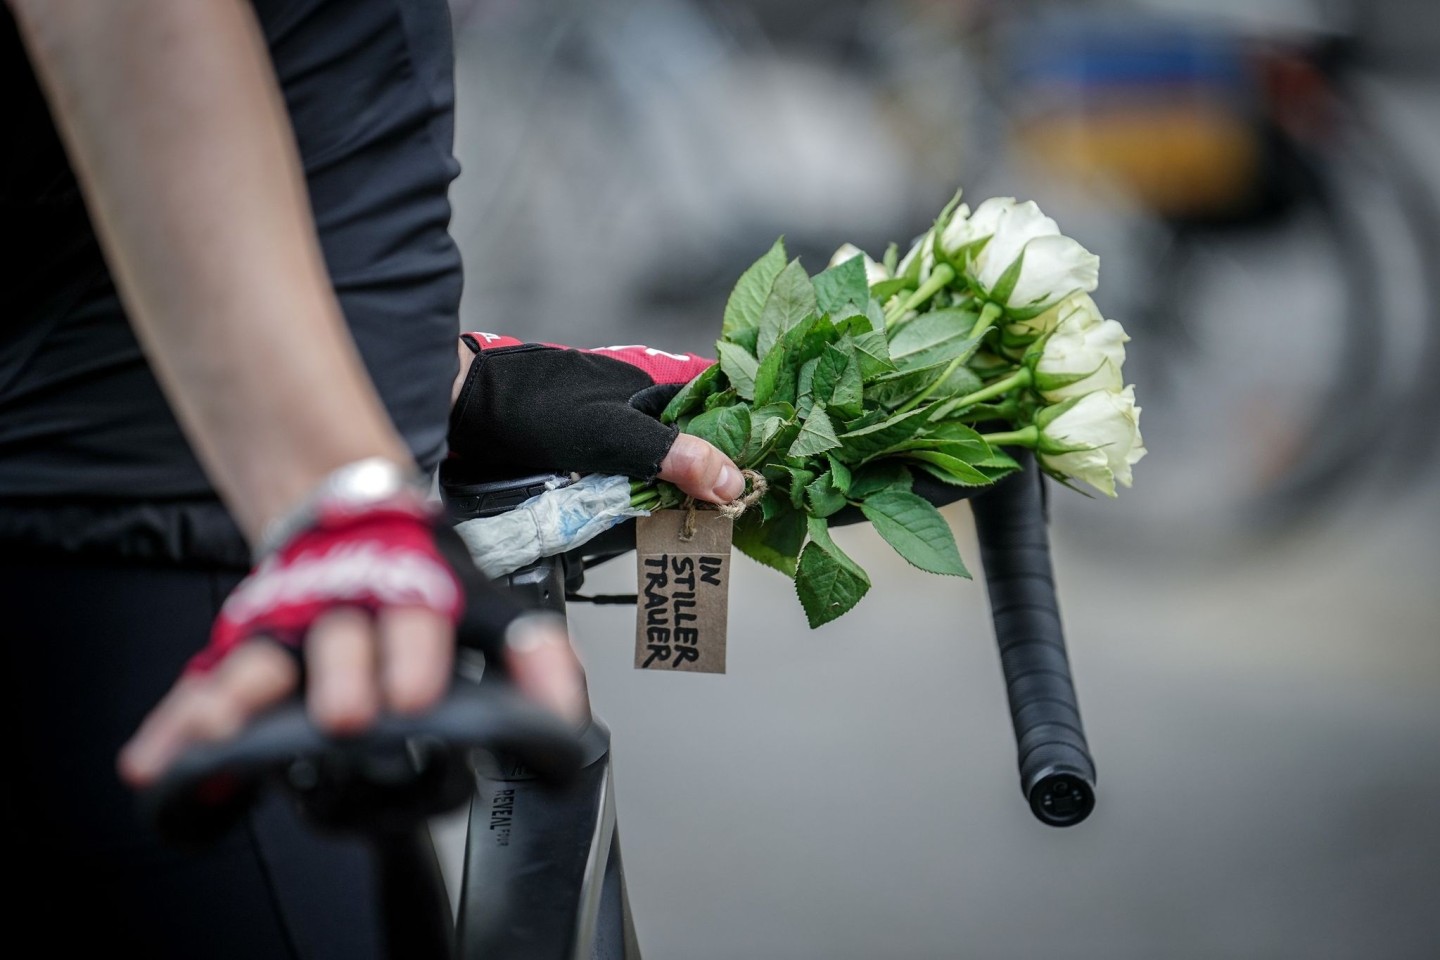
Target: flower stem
[[894, 310], [985, 413], [938, 280], [1020, 378], [1025, 437], [988, 315], [644, 496]]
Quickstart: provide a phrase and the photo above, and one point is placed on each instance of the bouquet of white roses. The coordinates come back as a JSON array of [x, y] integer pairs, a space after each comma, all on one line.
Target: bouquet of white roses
[[837, 388]]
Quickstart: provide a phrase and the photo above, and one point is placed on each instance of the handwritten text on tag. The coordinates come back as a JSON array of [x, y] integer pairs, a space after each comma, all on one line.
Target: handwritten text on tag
[[683, 591]]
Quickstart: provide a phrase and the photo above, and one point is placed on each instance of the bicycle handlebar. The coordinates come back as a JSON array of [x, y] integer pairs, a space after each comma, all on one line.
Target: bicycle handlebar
[[401, 770], [407, 768], [1057, 773]]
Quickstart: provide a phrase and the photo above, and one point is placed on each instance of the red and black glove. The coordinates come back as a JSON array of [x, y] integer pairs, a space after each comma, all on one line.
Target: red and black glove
[[394, 553], [544, 407]]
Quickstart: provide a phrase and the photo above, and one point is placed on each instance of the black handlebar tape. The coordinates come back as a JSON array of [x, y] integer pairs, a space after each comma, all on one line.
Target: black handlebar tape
[[1057, 773], [212, 784]]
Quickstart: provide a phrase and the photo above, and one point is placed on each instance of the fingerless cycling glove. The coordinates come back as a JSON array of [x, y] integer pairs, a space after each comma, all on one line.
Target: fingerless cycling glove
[[396, 553], [544, 407]]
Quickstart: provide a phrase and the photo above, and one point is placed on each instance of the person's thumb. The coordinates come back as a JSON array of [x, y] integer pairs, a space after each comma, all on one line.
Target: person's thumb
[[701, 470]]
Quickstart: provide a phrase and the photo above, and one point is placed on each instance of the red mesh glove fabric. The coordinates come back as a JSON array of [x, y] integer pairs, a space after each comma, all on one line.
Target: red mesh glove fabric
[[384, 555], [662, 366]]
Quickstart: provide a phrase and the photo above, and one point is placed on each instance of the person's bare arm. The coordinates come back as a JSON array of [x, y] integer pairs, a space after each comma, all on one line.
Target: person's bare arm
[[173, 120], [174, 123]]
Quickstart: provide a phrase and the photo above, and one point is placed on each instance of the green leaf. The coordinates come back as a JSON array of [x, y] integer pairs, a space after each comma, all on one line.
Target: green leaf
[[778, 477], [947, 212], [873, 352], [997, 473], [828, 583], [791, 302], [996, 466], [876, 313], [805, 387], [837, 381], [847, 400], [782, 410], [800, 478], [956, 432], [739, 366], [773, 378], [725, 398], [784, 439], [953, 439], [916, 530], [852, 319], [841, 285], [948, 469], [691, 396], [893, 390], [823, 496], [747, 300], [881, 475], [765, 425], [840, 474], [774, 541], [816, 435], [886, 289], [1005, 285], [812, 338], [747, 339], [961, 450], [937, 336], [728, 428], [778, 377], [859, 445], [867, 419], [998, 459]]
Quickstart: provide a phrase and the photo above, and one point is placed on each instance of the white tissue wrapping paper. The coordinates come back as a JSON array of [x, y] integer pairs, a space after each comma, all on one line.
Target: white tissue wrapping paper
[[551, 523]]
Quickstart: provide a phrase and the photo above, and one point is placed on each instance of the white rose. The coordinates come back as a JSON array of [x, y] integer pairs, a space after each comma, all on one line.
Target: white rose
[[919, 260], [970, 229], [1083, 354], [1095, 438], [874, 272], [1032, 328], [1002, 232]]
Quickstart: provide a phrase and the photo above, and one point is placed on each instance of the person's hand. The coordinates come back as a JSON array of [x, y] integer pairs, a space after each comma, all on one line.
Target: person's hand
[[536, 407], [373, 597]]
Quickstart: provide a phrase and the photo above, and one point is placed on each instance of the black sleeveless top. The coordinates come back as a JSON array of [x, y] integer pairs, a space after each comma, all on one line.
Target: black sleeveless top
[[91, 458]]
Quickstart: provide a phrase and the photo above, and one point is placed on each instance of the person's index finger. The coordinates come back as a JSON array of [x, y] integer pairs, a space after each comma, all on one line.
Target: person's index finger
[[340, 671], [417, 652], [160, 737], [542, 664]]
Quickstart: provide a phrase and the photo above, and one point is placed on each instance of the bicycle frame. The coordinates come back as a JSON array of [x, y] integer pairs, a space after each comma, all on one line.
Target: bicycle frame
[[543, 876]]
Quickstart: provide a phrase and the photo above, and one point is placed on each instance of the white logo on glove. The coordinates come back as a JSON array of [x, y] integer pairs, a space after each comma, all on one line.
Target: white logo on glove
[[353, 572]]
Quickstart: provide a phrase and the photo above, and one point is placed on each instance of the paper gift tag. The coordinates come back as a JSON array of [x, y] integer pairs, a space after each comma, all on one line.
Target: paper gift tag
[[682, 592]]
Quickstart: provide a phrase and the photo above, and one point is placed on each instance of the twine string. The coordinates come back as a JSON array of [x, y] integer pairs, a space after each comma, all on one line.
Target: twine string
[[734, 509]]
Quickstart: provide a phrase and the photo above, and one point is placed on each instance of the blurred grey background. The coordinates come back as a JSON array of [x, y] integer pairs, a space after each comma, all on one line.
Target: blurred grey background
[[1255, 628]]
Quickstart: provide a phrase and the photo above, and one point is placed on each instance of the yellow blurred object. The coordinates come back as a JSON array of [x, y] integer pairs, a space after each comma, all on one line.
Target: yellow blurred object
[[1195, 159]]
